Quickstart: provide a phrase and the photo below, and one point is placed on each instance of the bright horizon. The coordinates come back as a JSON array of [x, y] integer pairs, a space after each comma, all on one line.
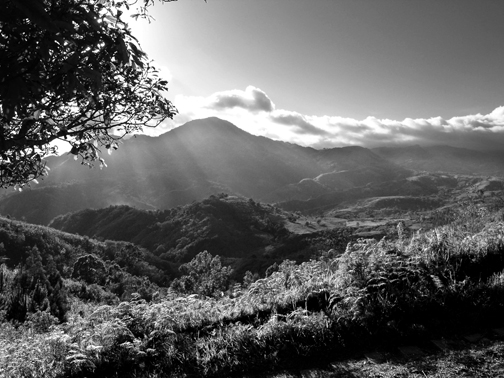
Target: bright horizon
[[335, 73]]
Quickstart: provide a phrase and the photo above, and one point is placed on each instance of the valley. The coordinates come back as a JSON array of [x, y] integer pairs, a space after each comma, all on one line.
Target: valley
[[211, 156], [209, 186], [211, 236], [249, 189]]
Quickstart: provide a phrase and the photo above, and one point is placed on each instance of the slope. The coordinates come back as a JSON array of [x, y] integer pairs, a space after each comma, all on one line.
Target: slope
[[247, 234], [445, 159], [189, 163], [63, 249]]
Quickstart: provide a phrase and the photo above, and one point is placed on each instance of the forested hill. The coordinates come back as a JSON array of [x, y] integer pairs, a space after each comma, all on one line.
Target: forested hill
[[190, 163], [19, 241], [224, 225]]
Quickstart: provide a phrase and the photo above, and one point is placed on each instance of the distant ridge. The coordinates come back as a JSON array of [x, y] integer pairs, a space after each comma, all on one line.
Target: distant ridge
[[445, 159], [211, 156]]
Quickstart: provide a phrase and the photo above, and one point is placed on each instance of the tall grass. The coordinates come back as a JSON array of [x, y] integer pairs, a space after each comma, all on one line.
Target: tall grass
[[374, 292]]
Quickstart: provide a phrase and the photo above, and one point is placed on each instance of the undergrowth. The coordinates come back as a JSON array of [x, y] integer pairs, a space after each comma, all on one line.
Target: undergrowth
[[373, 293]]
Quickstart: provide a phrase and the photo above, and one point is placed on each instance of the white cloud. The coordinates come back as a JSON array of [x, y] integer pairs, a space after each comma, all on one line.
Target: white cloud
[[300, 123], [252, 99], [253, 111]]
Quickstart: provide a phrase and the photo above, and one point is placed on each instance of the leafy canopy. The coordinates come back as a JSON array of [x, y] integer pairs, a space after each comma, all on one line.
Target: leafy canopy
[[203, 275], [71, 71]]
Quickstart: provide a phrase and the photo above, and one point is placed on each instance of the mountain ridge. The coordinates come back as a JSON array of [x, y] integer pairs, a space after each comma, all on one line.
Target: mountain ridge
[[210, 156]]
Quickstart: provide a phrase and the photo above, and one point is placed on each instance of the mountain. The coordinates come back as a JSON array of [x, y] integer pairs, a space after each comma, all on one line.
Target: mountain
[[192, 162], [211, 156], [337, 181], [445, 159]]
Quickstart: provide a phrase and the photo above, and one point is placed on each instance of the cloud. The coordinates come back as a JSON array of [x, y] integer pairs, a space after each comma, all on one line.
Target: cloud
[[253, 111], [252, 99], [301, 125]]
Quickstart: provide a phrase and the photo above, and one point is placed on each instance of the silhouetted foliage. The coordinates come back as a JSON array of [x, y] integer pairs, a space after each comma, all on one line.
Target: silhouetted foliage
[[249, 278], [272, 269], [71, 71]]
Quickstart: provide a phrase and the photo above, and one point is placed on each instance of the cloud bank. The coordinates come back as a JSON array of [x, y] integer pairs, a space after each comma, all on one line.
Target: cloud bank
[[252, 110]]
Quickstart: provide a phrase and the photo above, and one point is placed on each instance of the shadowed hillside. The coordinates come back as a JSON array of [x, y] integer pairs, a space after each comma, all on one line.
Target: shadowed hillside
[[231, 227], [227, 226], [18, 238]]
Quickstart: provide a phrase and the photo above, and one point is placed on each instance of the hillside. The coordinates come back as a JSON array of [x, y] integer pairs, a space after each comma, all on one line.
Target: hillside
[[224, 225], [253, 236], [445, 159], [19, 238], [438, 189], [248, 235], [211, 156], [439, 284], [189, 163]]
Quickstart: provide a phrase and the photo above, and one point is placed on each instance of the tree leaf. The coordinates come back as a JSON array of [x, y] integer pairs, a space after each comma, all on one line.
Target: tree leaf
[[34, 10]]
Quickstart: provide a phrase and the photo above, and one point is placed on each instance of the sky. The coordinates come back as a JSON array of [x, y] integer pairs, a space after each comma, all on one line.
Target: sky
[[332, 73]]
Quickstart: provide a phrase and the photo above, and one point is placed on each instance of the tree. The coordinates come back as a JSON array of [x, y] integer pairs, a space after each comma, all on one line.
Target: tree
[[71, 71], [203, 275], [90, 269], [249, 278], [34, 288]]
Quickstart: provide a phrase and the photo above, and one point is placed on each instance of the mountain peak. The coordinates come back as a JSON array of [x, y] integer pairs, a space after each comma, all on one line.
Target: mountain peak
[[210, 123], [201, 129]]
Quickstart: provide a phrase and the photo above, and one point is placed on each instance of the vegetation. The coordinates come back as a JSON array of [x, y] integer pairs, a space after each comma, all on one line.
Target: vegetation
[[430, 283], [180, 233], [44, 268], [247, 234], [71, 71], [208, 156], [257, 288], [203, 275]]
